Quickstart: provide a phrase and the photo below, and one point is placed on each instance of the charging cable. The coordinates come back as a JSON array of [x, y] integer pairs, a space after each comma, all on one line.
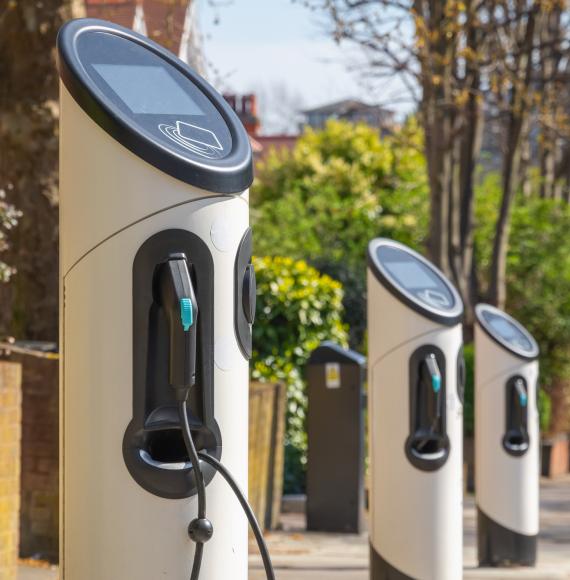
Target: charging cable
[[200, 529]]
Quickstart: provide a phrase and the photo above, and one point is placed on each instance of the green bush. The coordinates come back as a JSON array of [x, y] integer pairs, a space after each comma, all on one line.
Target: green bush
[[538, 278], [538, 270], [297, 308], [544, 410], [338, 189]]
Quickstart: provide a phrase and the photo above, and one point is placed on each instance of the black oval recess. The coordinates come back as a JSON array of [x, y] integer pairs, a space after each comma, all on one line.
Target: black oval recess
[[415, 281], [506, 331], [155, 105]]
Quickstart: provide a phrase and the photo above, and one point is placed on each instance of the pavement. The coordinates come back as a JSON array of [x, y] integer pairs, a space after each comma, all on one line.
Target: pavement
[[300, 555]]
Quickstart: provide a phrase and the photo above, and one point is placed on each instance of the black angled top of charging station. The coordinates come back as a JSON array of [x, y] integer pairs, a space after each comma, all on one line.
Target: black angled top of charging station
[[506, 332], [155, 105], [415, 281]]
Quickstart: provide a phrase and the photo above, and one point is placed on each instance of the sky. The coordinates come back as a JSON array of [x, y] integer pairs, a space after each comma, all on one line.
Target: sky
[[280, 50]]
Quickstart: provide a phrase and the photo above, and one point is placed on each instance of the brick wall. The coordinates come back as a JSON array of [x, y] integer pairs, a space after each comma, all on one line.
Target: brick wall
[[119, 11], [10, 431], [39, 516], [164, 19]]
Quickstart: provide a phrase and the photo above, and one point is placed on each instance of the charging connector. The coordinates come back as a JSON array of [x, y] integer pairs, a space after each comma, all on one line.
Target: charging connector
[[177, 297]]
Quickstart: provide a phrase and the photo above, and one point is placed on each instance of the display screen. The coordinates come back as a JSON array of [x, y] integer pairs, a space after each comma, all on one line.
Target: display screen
[[149, 90], [410, 275], [504, 328], [508, 331], [416, 278]]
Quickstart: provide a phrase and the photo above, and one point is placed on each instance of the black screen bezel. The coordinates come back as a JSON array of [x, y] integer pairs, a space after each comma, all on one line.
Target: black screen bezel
[[480, 309], [449, 317], [230, 174]]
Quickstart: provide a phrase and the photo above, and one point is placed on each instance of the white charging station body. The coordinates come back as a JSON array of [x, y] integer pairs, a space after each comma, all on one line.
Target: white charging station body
[[507, 439], [416, 496], [114, 199]]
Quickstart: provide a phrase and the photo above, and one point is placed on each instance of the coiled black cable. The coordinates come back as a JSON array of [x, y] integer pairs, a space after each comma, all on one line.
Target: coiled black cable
[[200, 486], [201, 489], [263, 550]]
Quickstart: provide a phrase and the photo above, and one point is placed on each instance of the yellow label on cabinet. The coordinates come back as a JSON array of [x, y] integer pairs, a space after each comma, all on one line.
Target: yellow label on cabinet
[[332, 373]]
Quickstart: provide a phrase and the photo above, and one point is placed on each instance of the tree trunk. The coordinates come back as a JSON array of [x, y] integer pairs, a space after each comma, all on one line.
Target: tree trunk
[[563, 173], [437, 109], [28, 165], [465, 267], [525, 185], [518, 117], [559, 392], [510, 184], [453, 125], [549, 105], [440, 168], [547, 165]]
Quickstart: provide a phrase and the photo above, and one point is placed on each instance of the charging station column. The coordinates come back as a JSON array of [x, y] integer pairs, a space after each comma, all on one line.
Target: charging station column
[[507, 438], [415, 394], [157, 294]]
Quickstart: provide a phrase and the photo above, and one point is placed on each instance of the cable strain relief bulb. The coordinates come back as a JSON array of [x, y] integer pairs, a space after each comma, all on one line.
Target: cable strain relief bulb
[[200, 530]]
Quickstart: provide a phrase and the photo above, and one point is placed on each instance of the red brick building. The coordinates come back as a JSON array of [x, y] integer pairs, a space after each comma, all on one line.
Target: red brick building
[[276, 142], [246, 108]]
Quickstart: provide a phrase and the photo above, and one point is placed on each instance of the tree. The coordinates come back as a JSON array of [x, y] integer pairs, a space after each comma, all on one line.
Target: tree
[[553, 98], [28, 163], [331, 195], [512, 85], [462, 60], [435, 47], [29, 113], [538, 280]]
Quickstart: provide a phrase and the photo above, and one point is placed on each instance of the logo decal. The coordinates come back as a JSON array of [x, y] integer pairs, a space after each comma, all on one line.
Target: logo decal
[[196, 139], [435, 298]]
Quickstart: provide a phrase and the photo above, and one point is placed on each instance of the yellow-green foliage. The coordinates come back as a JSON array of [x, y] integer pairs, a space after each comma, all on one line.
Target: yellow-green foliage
[[297, 309], [339, 188], [538, 269]]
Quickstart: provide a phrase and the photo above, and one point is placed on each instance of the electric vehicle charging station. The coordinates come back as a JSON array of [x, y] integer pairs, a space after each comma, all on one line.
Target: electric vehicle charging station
[[157, 304], [335, 391], [507, 438], [415, 394]]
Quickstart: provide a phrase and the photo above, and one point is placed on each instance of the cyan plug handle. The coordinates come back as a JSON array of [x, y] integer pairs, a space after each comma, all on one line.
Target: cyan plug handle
[[433, 369], [186, 313], [433, 383], [523, 397], [177, 298]]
